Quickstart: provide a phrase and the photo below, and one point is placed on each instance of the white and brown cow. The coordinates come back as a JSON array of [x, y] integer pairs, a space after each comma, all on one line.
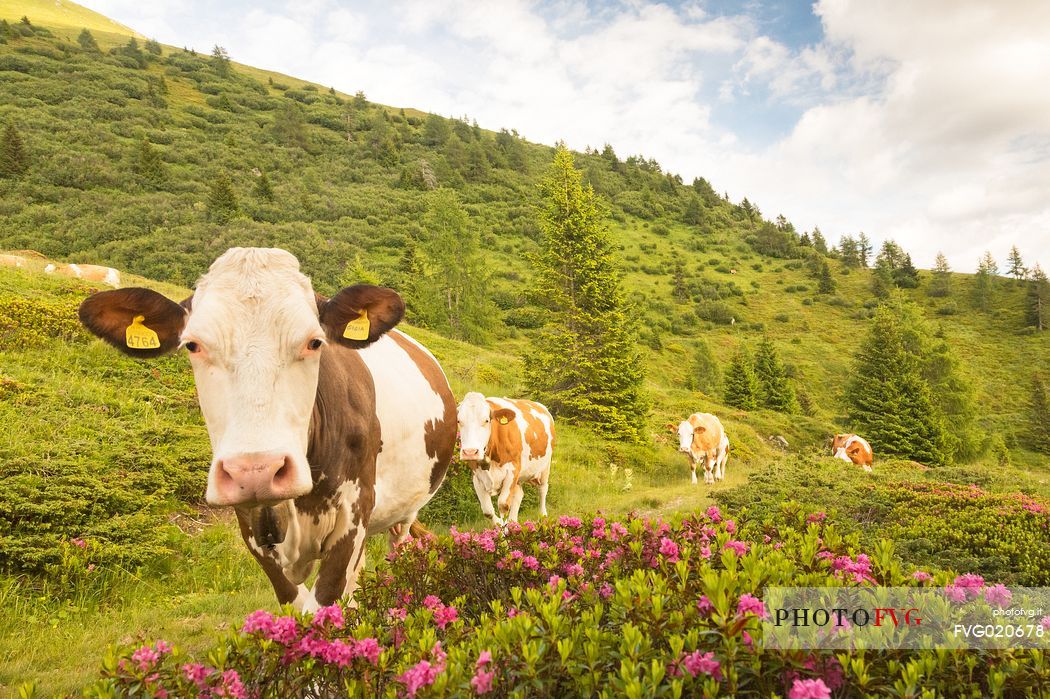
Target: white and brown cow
[[701, 436], [13, 261], [326, 424], [852, 449], [91, 273], [506, 443]]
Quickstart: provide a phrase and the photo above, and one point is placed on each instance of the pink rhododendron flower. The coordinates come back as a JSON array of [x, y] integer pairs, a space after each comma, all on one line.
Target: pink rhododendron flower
[[731, 526], [78, 542], [750, 604], [482, 681], [231, 686], [605, 591], [714, 513], [399, 613], [921, 576], [955, 593], [1045, 622], [705, 606], [329, 615], [816, 517], [809, 689], [669, 549], [145, 657], [570, 522], [196, 673], [431, 601], [737, 547], [530, 562], [997, 595], [444, 616], [423, 673], [697, 663], [705, 551]]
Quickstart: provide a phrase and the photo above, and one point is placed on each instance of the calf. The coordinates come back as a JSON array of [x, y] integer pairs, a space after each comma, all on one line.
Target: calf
[[326, 424], [91, 273], [13, 261], [506, 443], [852, 449], [701, 437]]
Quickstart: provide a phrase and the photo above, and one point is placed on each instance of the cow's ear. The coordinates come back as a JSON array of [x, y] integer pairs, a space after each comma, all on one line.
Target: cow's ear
[[358, 315], [671, 428], [503, 415], [138, 322]]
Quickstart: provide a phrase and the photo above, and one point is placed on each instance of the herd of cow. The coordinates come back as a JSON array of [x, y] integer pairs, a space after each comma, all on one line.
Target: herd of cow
[[327, 425]]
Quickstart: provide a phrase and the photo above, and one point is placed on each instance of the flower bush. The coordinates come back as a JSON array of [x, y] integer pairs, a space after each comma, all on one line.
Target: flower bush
[[577, 607]]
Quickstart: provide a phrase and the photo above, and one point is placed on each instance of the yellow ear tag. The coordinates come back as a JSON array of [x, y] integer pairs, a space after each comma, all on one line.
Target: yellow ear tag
[[503, 421], [138, 336], [357, 329]]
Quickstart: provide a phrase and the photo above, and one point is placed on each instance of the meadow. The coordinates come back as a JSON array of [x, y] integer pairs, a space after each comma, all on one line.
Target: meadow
[[104, 538]]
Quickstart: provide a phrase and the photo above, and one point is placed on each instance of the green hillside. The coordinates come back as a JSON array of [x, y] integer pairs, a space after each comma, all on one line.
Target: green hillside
[[98, 447]]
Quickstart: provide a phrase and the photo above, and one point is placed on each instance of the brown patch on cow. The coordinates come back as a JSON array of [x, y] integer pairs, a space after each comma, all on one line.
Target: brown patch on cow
[[439, 435], [384, 308], [284, 588], [108, 314], [505, 444], [267, 526], [536, 434], [707, 436], [332, 578]]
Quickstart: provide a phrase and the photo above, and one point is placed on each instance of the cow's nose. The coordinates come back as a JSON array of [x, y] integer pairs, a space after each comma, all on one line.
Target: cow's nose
[[468, 453], [254, 477]]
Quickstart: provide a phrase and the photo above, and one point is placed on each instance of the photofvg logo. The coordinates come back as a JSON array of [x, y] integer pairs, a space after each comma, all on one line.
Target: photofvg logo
[[846, 618]]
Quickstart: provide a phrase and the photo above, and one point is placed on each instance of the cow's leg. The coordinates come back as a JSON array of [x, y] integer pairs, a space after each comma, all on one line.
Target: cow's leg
[[287, 592], [486, 500], [709, 467], [509, 483], [342, 559], [516, 494], [544, 484], [692, 465]]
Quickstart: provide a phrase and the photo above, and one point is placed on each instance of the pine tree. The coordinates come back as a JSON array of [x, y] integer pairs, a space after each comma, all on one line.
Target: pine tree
[[941, 285], [864, 249], [1037, 300], [289, 125], [819, 244], [775, 390], [705, 375], [906, 276], [826, 283], [153, 47], [679, 286], [741, 384], [222, 201], [586, 362], [1038, 436], [984, 282], [888, 400], [220, 61], [14, 159], [87, 41], [849, 251], [1016, 269], [694, 212], [147, 165], [263, 190], [882, 278]]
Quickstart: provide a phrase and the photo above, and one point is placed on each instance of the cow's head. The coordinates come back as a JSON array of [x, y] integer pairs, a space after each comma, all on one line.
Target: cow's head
[[686, 432], [254, 330], [475, 417], [838, 447]]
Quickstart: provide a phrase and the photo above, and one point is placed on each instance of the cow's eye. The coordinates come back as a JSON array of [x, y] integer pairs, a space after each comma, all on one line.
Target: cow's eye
[[315, 344], [192, 347]]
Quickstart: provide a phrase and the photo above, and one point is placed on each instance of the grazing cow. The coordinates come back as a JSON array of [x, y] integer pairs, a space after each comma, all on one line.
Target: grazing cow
[[326, 424], [91, 273], [13, 261], [852, 449], [701, 437], [506, 443]]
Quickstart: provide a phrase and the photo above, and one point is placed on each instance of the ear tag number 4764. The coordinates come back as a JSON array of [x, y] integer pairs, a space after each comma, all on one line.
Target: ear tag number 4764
[[138, 336]]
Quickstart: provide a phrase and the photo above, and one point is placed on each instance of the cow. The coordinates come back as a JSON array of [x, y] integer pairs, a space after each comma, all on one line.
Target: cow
[[701, 437], [91, 273], [854, 449], [326, 424], [506, 443], [13, 261]]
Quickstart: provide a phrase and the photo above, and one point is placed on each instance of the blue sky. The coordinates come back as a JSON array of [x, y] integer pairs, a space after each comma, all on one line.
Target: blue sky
[[927, 122]]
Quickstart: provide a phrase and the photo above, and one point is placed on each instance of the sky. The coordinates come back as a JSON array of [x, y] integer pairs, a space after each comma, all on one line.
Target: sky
[[923, 122]]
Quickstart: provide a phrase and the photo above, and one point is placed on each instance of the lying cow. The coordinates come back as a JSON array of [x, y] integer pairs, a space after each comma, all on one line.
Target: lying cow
[[91, 273], [326, 424], [13, 261], [701, 436], [853, 449], [506, 443]]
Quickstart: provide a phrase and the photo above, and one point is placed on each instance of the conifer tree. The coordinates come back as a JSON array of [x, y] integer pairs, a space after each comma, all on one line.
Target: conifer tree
[[222, 201], [263, 190], [941, 285], [1016, 267], [864, 249], [705, 375], [289, 125], [825, 283], [1038, 436], [906, 276], [87, 41], [889, 401], [775, 390], [586, 363], [147, 165], [14, 159], [882, 278], [741, 384], [220, 61], [984, 282], [819, 243], [694, 212], [679, 286], [1037, 300]]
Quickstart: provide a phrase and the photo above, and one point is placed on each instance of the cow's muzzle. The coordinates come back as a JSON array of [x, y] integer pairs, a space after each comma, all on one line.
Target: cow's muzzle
[[256, 478], [470, 454]]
